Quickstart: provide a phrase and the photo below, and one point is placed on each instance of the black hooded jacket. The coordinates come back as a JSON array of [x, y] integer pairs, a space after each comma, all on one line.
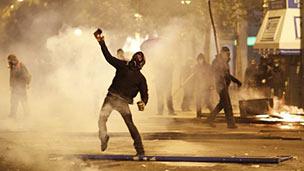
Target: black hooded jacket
[[128, 81]]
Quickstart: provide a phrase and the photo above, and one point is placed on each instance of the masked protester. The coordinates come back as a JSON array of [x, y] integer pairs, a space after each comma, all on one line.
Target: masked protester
[[203, 84], [19, 82], [223, 79], [128, 81]]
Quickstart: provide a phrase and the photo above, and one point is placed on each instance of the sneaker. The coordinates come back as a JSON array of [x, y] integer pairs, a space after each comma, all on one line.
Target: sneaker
[[140, 153], [104, 144]]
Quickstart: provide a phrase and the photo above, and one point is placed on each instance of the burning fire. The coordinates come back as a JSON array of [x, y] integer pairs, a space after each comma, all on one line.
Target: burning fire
[[283, 116], [283, 113]]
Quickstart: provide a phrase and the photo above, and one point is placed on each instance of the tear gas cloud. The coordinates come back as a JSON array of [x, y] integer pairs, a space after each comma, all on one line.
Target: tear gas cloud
[[70, 76]]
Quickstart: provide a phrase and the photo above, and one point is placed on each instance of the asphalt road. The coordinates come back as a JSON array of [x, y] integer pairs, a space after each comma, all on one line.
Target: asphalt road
[[26, 149]]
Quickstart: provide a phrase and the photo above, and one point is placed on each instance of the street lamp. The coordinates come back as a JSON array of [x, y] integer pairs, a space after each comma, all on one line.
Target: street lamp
[[185, 2], [137, 16], [78, 32], [265, 6]]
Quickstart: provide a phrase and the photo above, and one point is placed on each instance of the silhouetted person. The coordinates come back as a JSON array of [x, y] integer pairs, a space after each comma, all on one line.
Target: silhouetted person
[[128, 81], [277, 80], [223, 79], [251, 74], [187, 78], [164, 75], [162, 68], [203, 83], [264, 75], [19, 82]]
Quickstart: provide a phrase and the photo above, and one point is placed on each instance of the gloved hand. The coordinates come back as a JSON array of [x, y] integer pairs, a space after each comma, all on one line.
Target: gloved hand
[[98, 35], [141, 106]]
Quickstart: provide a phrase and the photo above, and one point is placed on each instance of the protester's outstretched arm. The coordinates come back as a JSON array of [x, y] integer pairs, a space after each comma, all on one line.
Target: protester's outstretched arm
[[110, 59]]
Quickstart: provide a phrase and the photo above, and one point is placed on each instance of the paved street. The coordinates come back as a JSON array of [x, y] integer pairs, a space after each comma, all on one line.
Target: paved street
[[181, 135]]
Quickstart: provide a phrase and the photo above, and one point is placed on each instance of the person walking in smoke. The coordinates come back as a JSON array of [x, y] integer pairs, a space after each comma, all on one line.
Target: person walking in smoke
[[203, 84], [188, 79], [251, 74], [162, 71], [164, 74], [277, 80], [264, 75], [128, 81], [20, 79], [223, 79]]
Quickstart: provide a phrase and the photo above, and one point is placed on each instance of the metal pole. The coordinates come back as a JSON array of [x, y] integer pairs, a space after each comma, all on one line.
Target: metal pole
[[302, 54], [225, 159], [216, 45], [213, 26]]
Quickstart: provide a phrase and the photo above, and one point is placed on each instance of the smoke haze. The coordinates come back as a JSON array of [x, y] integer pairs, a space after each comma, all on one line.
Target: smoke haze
[[70, 76]]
